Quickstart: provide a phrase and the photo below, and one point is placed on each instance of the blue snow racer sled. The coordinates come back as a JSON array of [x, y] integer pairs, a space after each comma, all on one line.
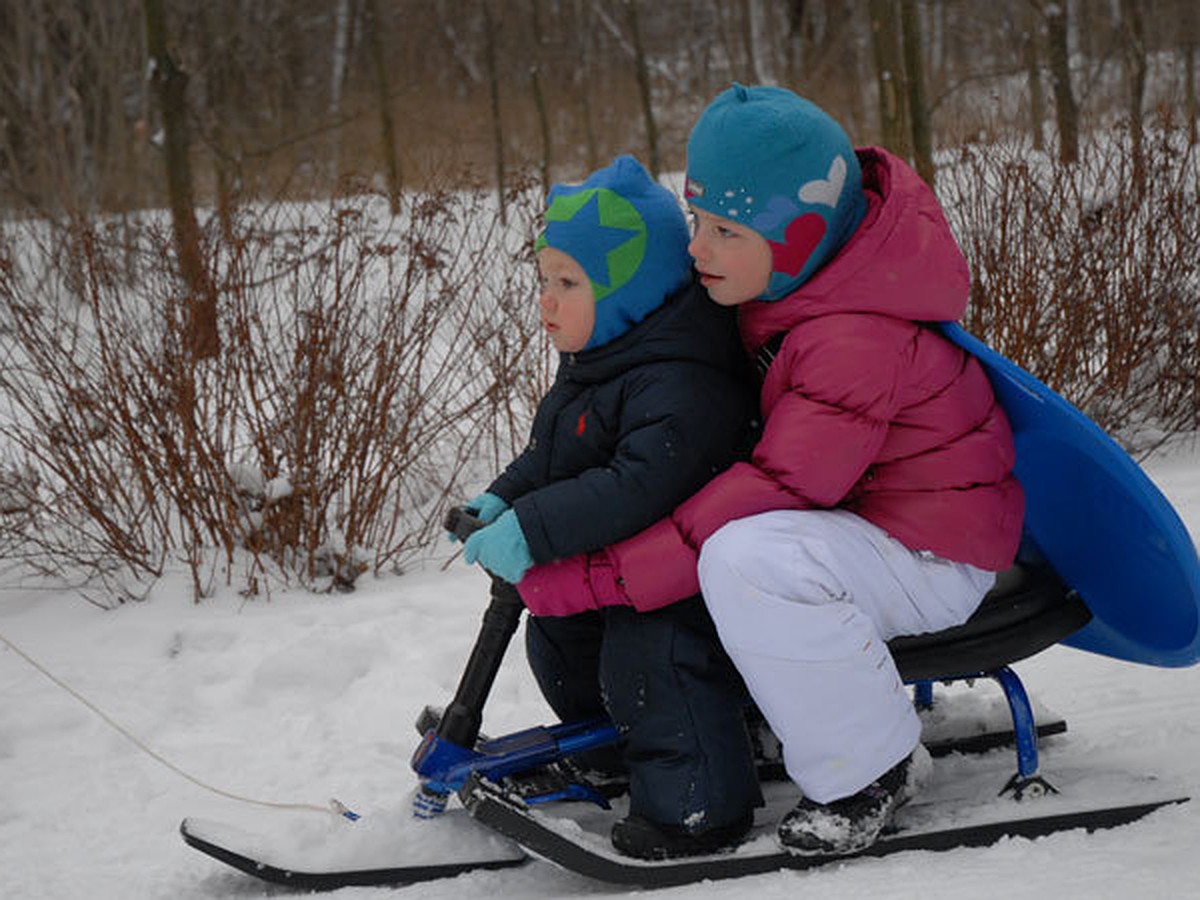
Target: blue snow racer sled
[[1105, 566]]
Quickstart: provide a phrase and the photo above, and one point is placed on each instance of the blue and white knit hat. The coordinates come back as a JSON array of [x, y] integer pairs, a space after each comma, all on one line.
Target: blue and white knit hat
[[629, 234], [777, 163]]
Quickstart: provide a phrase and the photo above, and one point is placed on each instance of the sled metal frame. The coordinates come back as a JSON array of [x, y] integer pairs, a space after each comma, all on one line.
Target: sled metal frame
[[1029, 609], [1024, 723]]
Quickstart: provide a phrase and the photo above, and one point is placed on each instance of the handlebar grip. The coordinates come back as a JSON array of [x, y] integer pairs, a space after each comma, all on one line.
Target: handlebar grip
[[461, 523]]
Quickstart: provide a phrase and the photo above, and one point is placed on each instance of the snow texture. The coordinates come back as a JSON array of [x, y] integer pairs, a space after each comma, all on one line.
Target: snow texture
[[301, 698]]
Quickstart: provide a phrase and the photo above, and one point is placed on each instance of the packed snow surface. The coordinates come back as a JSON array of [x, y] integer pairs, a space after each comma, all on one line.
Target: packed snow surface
[[302, 698]]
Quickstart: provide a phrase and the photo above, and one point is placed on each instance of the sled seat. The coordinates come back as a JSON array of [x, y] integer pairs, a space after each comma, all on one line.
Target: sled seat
[[1028, 610]]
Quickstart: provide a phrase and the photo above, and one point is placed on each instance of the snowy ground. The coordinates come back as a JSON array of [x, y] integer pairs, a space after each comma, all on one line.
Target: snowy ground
[[304, 698]]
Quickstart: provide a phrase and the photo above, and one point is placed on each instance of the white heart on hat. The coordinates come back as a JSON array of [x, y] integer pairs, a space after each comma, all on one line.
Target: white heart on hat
[[826, 191]]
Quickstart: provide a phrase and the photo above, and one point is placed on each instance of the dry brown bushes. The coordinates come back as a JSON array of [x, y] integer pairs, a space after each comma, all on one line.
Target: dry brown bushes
[[366, 366], [1091, 284]]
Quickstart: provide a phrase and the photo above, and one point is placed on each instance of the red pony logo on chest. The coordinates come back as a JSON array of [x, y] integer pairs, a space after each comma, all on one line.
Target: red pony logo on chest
[[581, 425]]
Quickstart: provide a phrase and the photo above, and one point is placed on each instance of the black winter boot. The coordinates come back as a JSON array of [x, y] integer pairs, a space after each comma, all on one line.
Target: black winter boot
[[643, 839], [849, 824]]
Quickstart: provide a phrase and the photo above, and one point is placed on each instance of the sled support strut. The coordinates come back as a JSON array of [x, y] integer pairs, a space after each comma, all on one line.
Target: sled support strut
[[1026, 782]]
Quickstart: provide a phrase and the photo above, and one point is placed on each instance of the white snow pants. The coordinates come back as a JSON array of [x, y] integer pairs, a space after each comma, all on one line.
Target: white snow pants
[[803, 601]]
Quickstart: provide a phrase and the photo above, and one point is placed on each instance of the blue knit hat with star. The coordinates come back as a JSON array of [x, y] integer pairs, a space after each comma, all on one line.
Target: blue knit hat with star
[[777, 163], [629, 234]]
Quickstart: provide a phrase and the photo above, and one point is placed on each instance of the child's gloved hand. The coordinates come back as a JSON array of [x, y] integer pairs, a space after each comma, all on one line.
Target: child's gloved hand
[[501, 548], [486, 507]]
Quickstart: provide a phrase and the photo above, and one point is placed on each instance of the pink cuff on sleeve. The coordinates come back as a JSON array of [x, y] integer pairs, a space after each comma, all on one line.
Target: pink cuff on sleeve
[[606, 586], [559, 588]]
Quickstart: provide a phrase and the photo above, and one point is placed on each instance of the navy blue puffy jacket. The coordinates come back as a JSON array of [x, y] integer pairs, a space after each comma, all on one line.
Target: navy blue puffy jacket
[[632, 428]]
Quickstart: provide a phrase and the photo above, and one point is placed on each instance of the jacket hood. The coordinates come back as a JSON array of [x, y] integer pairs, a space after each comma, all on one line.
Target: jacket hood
[[903, 261], [689, 327]]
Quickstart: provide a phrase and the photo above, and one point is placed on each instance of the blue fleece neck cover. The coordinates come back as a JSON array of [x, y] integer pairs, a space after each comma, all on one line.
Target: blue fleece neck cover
[[629, 234]]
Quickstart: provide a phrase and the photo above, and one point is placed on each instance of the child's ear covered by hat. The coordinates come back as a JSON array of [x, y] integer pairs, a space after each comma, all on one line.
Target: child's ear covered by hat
[[770, 160], [629, 234]]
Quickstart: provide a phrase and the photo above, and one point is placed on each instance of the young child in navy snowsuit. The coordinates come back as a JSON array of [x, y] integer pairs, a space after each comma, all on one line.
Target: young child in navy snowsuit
[[880, 498], [651, 399]]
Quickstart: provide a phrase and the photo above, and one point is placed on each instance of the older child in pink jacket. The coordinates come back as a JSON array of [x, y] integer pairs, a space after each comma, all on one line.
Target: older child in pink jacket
[[880, 498]]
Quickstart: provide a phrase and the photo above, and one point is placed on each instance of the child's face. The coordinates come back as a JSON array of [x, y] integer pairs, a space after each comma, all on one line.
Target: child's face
[[567, 302], [734, 261]]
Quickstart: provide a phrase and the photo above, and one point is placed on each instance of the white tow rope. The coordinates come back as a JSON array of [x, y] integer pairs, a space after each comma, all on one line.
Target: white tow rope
[[333, 807]]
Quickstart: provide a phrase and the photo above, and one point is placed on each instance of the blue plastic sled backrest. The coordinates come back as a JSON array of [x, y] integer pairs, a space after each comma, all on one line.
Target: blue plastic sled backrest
[[1100, 521]]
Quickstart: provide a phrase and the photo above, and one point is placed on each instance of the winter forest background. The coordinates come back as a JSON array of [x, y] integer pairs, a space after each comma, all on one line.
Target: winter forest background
[[266, 293]]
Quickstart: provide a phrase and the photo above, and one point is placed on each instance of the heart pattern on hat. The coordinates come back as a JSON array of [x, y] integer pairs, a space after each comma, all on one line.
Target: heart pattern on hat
[[803, 235], [779, 209], [826, 191]]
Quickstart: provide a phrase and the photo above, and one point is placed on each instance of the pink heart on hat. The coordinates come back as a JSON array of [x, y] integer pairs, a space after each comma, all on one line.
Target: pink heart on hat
[[799, 241]]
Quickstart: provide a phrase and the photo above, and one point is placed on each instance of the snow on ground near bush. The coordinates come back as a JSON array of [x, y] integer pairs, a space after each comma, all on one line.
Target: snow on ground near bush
[[302, 698]]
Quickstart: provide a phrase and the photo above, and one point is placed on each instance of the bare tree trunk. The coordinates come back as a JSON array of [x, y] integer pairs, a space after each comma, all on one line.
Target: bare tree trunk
[[795, 46], [456, 43], [935, 46], [751, 43], [889, 73], [216, 101], [1054, 13], [170, 84], [64, 118], [847, 32], [918, 110], [582, 75], [489, 29], [539, 97], [1033, 70], [1189, 66], [643, 81], [342, 27], [341, 47], [1134, 44], [725, 17], [387, 131]]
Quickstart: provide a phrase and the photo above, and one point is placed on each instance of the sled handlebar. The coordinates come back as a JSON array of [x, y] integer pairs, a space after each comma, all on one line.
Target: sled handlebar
[[461, 721], [461, 523]]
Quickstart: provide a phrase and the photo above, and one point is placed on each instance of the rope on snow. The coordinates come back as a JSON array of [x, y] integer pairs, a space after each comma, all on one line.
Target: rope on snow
[[333, 807]]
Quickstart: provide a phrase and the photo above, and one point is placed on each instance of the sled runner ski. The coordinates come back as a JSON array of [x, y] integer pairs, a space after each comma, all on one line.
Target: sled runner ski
[[935, 825]]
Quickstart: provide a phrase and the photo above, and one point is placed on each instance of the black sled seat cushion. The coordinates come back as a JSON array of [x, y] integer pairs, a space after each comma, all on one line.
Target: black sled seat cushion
[[1028, 610]]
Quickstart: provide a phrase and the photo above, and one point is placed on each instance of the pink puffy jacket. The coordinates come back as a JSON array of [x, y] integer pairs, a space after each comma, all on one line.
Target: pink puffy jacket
[[864, 408]]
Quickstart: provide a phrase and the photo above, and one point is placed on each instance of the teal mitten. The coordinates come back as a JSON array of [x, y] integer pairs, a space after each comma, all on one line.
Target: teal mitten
[[501, 548]]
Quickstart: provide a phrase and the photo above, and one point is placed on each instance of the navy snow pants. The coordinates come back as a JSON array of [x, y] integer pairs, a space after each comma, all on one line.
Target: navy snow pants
[[675, 697]]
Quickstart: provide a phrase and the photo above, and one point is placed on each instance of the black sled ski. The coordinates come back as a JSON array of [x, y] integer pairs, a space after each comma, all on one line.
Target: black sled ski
[[301, 880], [589, 854], [950, 818], [245, 852]]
